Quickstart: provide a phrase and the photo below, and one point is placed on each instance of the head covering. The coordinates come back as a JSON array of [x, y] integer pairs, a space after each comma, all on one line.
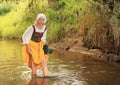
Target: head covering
[[39, 16]]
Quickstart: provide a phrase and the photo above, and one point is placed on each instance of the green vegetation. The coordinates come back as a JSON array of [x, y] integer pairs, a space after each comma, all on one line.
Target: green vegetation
[[23, 13], [61, 16], [103, 31], [64, 16], [97, 20], [4, 8]]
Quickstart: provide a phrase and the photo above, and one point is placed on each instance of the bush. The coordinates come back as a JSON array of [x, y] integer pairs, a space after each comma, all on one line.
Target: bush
[[4, 9]]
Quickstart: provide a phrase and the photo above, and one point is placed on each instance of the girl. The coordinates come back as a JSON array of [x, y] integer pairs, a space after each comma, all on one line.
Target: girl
[[34, 38]]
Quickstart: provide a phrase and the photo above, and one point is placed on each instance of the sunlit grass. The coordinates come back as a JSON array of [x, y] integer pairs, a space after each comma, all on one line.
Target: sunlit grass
[[11, 21], [17, 20], [14, 23]]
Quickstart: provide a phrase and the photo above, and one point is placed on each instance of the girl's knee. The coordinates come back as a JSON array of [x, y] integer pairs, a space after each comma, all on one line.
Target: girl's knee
[[44, 64]]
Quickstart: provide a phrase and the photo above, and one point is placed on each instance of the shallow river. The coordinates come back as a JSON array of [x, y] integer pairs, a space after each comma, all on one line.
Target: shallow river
[[70, 68]]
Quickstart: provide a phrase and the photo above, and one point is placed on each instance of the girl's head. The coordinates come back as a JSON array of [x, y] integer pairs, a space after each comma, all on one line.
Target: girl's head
[[41, 19]]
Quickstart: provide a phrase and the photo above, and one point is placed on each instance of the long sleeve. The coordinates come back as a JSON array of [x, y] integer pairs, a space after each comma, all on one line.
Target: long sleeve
[[27, 35], [44, 36]]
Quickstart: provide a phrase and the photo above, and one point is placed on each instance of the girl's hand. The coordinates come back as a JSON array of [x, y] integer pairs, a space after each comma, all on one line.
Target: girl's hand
[[44, 43], [28, 48]]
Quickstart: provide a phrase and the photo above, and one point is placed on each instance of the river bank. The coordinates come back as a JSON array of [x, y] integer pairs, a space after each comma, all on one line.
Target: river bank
[[76, 45]]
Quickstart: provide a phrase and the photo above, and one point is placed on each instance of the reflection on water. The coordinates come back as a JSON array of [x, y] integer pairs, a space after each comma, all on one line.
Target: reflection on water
[[71, 68], [38, 81]]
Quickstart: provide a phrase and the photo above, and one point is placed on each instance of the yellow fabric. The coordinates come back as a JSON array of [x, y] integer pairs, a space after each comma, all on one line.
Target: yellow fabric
[[37, 53]]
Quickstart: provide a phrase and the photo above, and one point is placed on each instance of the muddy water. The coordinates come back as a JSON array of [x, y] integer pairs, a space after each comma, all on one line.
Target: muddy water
[[70, 68]]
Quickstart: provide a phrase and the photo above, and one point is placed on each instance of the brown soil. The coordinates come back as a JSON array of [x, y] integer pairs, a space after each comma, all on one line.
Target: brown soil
[[75, 45]]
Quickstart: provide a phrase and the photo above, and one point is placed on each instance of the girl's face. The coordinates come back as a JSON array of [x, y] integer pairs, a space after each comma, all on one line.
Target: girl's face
[[40, 21]]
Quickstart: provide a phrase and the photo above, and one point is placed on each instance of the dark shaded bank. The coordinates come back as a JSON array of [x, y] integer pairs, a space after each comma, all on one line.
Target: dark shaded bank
[[76, 45], [98, 33]]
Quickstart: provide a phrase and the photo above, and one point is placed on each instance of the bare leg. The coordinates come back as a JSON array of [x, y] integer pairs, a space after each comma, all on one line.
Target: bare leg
[[44, 67], [34, 69]]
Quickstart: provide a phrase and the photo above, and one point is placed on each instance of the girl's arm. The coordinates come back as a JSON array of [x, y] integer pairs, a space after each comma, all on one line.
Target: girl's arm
[[44, 37], [26, 37]]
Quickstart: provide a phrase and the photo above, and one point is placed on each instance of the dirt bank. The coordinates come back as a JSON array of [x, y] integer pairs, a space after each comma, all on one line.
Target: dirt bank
[[75, 45]]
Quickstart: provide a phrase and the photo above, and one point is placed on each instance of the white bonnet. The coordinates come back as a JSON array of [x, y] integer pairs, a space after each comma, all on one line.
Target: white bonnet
[[41, 15]]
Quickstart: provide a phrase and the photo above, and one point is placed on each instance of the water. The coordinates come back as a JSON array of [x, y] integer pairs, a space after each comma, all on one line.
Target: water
[[71, 68]]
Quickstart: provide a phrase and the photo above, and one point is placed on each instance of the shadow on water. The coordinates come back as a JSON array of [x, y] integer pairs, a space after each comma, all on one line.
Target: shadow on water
[[71, 68]]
